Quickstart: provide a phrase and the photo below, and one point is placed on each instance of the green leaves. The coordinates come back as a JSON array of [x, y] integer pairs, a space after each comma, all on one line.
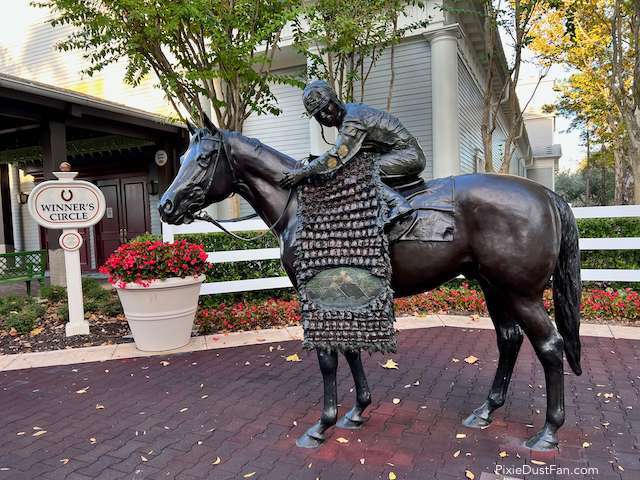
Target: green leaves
[[219, 49]]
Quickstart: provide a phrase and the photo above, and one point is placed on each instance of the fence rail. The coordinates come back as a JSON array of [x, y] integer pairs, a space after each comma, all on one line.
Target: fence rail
[[593, 275]]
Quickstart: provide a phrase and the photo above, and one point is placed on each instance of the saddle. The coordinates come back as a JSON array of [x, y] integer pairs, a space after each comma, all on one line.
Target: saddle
[[433, 219]]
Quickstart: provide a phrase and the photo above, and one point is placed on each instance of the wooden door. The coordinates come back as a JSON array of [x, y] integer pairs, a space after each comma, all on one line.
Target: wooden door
[[126, 215], [85, 264]]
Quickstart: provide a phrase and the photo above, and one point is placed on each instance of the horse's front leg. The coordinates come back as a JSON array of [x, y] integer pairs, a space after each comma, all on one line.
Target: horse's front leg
[[314, 437], [353, 418]]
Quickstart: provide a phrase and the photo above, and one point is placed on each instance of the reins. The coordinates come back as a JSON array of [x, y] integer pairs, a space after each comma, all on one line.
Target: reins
[[204, 216]]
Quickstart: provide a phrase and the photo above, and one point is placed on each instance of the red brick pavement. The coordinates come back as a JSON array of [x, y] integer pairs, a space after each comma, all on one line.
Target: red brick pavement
[[250, 415]]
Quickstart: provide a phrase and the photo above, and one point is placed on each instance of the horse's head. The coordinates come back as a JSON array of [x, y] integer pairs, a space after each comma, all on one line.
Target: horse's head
[[205, 177]]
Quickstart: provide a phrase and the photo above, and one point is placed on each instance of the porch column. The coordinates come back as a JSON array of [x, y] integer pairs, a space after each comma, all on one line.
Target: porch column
[[444, 93], [54, 152], [6, 230]]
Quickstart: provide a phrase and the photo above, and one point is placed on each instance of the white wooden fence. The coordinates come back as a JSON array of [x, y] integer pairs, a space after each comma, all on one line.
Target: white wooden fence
[[169, 231]]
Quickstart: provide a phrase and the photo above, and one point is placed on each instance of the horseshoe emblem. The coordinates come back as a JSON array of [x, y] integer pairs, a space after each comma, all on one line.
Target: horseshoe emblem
[[70, 195]]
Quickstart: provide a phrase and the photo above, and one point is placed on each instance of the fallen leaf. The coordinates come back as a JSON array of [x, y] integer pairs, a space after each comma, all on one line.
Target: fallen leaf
[[461, 435], [608, 395], [20, 433], [342, 440], [471, 359], [396, 401], [455, 360], [389, 364], [13, 332], [216, 461], [182, 410], [164, 363], [456, 454], [416, 383], [248, 475], [143, 458], [204, 396], [620, 468], [538, 462], [82, 390], [586, 444], [93, 441], [99, 406], [392, 476], [503, 454], [475, 317], [469, 474], [362, 461], [64, 461], [36, 331], [39, 433], [293, 358]]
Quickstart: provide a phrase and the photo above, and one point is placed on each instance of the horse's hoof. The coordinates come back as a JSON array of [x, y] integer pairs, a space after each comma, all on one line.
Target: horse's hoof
[[307, 441], [543, 441], [474, 421], [348, 424]]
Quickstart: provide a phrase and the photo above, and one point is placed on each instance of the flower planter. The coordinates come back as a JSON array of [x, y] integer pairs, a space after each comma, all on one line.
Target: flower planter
[[161, 314]]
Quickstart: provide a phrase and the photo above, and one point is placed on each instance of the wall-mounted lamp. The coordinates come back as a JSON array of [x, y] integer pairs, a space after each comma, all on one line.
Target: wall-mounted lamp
[[23, 198], [154, 187]]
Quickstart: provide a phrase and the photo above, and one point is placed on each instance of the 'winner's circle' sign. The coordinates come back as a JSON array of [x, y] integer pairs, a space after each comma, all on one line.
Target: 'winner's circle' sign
[[66, 203]]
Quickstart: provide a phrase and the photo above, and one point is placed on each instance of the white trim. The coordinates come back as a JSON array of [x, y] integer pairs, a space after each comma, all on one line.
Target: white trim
[[609, 275], [629, 243], [615, 211], [245, 285], [244, 255]]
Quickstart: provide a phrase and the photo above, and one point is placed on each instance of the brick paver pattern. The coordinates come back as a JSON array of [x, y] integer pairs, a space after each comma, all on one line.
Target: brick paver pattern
[[142, 418]]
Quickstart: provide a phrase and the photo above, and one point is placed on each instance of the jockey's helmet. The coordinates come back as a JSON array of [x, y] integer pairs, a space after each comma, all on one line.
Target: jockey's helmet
[[317, 95]]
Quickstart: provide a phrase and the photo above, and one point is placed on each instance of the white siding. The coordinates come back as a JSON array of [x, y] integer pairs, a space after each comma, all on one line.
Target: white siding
[[411, 100], [30, 228], [470, 119], [156, 223], [287, 132]]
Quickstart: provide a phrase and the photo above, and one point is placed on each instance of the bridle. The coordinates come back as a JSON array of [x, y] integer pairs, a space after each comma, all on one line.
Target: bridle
[[204, 216]]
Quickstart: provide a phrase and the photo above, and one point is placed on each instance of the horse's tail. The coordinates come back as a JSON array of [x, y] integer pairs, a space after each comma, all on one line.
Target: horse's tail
[[567, 285]]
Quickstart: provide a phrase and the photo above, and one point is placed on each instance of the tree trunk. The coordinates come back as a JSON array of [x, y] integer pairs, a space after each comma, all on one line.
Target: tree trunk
[[487, 143]]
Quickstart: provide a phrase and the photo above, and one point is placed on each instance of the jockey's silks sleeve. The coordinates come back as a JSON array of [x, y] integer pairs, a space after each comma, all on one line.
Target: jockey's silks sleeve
[[348, 142]]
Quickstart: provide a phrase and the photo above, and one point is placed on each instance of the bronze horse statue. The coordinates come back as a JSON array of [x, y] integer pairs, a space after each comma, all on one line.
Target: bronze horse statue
[[512, 236]]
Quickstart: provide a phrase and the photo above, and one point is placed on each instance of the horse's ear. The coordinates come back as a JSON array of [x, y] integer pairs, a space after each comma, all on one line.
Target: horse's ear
[[209, 124], [191, 127]]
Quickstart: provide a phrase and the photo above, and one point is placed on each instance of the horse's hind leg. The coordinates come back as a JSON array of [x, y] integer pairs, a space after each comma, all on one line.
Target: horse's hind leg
[[548, 345], [509, 336], [353, 418], [314, 437]]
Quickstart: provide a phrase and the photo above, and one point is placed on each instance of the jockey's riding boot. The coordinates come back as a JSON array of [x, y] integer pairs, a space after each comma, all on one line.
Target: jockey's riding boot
[[399, 207]]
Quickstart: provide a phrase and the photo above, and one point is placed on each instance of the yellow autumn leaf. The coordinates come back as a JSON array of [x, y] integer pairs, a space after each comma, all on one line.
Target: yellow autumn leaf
[[456, 454], [249, 475], [503, 454], [471, 359], [82, 390], [396, 401], [392, 476], [39, 433], [36, 331], [64, 461], [389, 364], [216, 461], [342, 440], [293, 358], [538, 462], [461, 435], [469, 474]]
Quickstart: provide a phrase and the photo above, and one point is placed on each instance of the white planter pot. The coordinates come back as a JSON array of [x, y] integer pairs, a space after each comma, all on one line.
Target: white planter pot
[[161, 315]]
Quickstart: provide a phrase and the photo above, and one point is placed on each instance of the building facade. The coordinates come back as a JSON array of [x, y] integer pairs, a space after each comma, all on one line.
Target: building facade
[[437, 95]]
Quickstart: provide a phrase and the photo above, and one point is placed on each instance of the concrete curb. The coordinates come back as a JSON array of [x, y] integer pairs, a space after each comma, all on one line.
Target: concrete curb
[[274, 335]]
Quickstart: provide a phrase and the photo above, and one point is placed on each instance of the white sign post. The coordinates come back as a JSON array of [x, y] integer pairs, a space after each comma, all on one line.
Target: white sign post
[[69, 204]]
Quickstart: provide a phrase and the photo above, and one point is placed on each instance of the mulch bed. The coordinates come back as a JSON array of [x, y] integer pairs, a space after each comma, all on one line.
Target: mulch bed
[[104, 331]]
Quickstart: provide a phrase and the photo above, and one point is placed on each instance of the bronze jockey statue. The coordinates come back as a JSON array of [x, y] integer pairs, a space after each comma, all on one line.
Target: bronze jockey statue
[[362, 128]]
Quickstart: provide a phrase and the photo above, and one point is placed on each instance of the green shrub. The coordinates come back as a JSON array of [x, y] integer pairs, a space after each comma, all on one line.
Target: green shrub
[[63, 312], [25, 319], [609, 227], [147, 237], [12, 303], [54, 293]]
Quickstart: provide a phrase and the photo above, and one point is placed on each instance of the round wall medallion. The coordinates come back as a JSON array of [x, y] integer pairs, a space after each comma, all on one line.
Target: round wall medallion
[[161, 158]]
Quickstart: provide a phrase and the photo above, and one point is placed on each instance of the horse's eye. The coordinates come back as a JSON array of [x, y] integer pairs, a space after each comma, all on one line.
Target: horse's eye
[[204, 160]]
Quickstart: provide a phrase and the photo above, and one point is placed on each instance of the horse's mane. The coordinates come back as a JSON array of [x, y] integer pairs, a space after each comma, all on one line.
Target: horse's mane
[[262, 149]]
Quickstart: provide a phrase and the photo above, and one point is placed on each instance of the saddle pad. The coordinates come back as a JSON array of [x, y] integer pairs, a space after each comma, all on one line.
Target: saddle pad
[[434, 220], [342, 263]]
